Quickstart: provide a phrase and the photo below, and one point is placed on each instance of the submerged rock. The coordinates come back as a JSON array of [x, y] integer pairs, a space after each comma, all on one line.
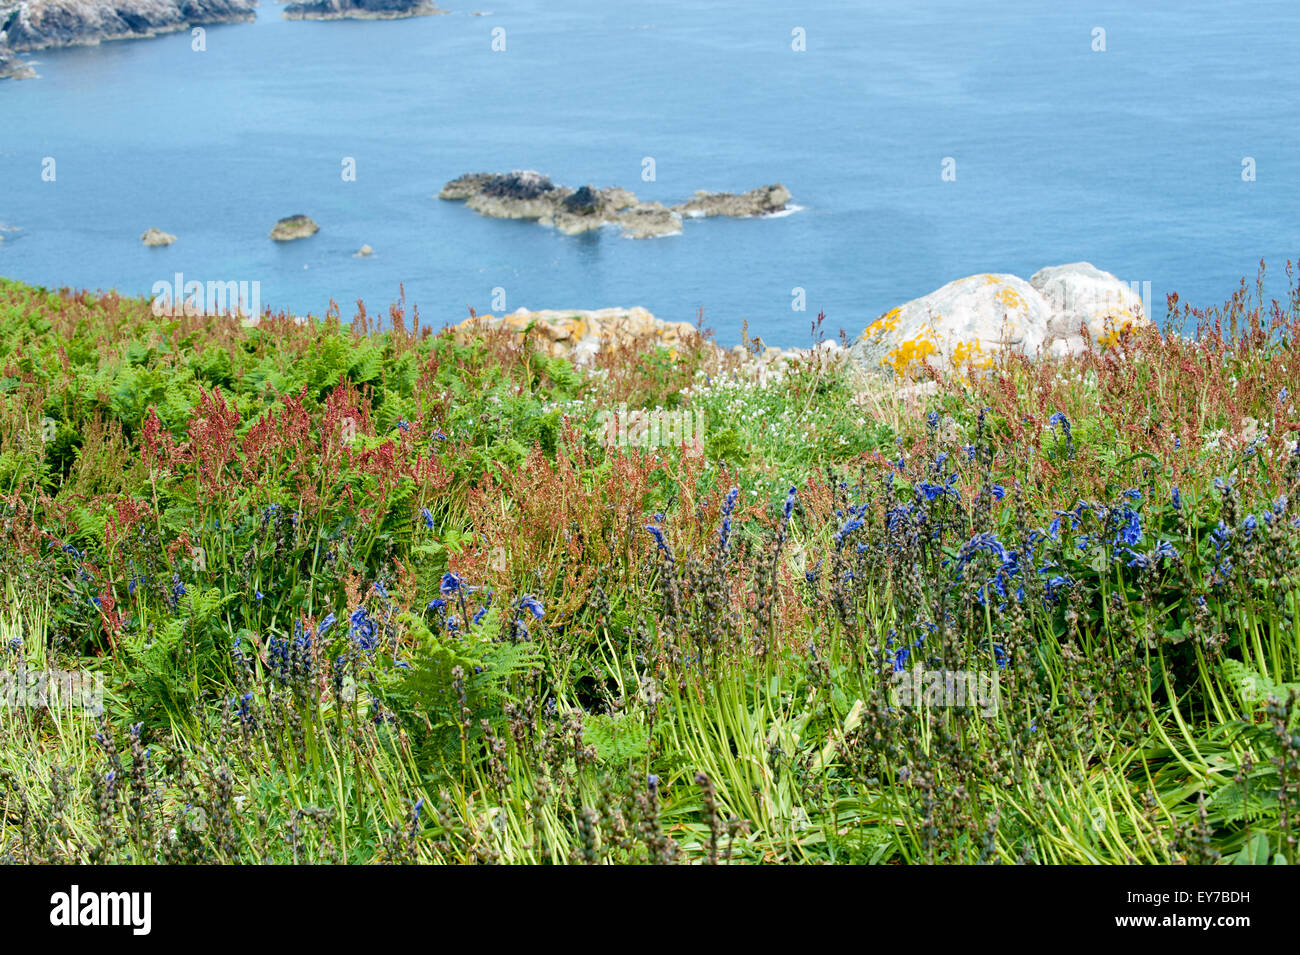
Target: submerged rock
[[527, 194], [294, 227], [157, 237], [360, 9]]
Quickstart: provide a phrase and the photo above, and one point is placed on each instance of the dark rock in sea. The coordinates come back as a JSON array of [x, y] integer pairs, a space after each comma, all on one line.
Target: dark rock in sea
[[521, 184], [585, 202], [360, 9], [462, 187]]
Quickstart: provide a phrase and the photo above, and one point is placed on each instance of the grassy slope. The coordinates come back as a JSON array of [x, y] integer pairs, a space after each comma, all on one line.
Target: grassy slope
[[309, 561]]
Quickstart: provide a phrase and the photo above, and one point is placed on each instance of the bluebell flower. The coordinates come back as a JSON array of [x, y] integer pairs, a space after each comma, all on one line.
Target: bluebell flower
[[728, 506], [404, 424], [363, 630], [325, 625], [811, 575], [533, 606], [450, 584], [789, 504], [1130, 531], [932, 420], [428, 518], [662, 544], [436, 604], [1176, 498], [1133, 494]]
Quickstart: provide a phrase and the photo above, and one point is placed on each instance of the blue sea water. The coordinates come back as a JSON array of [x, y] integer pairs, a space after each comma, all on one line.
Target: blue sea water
[[1130, 158]]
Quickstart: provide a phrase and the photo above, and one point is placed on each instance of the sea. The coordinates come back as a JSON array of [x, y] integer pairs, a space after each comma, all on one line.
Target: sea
[[922, 141]]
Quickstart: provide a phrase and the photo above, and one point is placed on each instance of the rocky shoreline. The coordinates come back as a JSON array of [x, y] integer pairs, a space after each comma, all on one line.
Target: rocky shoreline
[[361, 10], [527, 194], [28, 25]]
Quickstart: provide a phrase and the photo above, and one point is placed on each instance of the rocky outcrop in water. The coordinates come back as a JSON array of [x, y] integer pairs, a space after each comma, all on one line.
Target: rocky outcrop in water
[[157, 237], [294, 227], [360, 9], [42, 24], [527, 194], [761, 201], [12, 68]]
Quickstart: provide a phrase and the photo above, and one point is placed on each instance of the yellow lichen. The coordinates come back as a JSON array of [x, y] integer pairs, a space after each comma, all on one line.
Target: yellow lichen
[[885, 323], [909, 353], [971, 353], [1010, 298]]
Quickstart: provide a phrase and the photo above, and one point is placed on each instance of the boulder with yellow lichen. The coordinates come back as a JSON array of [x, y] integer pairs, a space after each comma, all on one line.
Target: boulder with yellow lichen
[[579, 334], [968, 322], [963, 323]]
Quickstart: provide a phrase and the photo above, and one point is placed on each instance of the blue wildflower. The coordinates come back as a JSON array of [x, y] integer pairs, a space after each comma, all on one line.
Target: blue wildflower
[[789, 504], [728, 506], [1130, 530], [662, 544]]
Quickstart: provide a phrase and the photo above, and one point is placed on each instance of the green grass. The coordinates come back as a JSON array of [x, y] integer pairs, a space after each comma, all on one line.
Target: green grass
[[309, 561]]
